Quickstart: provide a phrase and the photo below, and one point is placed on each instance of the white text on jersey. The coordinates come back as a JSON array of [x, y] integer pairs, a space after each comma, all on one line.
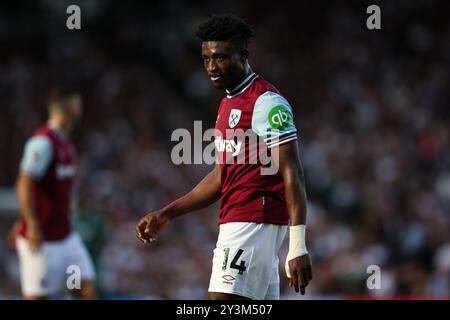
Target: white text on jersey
[[65, 171], [223, 145]]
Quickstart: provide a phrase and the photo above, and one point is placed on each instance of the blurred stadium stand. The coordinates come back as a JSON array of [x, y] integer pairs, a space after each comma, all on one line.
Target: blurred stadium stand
[[372, 108]]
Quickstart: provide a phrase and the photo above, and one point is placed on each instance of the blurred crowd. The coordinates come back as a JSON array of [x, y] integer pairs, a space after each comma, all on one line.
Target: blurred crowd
[[372, 109]]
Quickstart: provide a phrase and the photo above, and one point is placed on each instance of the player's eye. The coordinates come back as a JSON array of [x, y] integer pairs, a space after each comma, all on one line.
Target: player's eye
[[220, 58]]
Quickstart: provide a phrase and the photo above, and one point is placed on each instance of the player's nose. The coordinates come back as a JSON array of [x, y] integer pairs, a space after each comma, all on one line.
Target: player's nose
[[212, 67]]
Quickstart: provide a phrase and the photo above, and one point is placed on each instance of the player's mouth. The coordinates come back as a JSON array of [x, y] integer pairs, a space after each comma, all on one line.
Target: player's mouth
[[215, 78]]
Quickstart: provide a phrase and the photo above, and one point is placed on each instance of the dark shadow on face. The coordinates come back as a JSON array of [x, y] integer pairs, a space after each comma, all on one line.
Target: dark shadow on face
[[225, 63]]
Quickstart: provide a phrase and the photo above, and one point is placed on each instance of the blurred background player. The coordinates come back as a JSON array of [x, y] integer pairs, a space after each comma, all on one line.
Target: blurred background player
[[44, 239], [255, 208]]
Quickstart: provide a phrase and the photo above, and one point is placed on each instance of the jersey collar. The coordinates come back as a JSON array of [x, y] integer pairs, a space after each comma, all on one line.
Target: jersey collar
[[242, 86], [57, 131]]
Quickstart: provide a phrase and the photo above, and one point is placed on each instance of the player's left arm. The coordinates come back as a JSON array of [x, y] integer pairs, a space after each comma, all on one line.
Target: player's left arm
[[273, 120], [12, 233], [298, 264]]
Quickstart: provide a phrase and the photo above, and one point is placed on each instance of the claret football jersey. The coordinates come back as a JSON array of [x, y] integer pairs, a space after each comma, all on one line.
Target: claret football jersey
[[49, 157], [252, 119]]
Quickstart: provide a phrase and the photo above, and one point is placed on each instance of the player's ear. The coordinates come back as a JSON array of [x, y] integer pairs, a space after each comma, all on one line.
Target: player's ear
[[244, 54]]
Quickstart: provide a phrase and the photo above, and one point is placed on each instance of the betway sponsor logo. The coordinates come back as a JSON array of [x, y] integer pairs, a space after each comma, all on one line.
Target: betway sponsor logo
[[239, 147], [65, 171], [224, 145]]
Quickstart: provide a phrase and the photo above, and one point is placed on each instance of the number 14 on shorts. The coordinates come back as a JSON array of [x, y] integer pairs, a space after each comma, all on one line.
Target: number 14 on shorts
[[240, 259]]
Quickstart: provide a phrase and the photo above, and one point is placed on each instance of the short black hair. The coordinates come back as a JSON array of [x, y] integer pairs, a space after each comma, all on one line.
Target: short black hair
[[59, 99], [225, 27]]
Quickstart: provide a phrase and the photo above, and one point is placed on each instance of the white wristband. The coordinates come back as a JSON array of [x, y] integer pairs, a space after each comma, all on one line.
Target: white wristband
[[297, 246]]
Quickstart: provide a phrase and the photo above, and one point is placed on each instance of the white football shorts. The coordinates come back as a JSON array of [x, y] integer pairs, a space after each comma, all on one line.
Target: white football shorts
[[45, 273], [245, 260]]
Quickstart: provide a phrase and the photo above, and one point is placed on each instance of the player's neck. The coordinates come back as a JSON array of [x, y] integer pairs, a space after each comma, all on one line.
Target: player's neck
[[57, 125], [247, 75]]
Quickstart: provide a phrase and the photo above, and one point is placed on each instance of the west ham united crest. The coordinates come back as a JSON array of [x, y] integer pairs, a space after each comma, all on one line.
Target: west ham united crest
[[235, 116]]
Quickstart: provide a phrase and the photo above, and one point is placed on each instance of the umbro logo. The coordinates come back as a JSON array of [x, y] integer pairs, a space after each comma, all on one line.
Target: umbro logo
[[228, 279]]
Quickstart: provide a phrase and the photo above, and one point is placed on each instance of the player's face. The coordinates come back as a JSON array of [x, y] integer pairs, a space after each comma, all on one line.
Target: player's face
[[224, 62], [74, 111]]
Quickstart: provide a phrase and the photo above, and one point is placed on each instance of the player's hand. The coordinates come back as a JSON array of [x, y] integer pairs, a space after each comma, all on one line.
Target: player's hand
[[12, 234], [151, 225], [34, 236], [301, 273]]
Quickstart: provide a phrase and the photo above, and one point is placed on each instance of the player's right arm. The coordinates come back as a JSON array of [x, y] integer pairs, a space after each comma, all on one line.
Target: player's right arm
[[35, 162], [204, 194]]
